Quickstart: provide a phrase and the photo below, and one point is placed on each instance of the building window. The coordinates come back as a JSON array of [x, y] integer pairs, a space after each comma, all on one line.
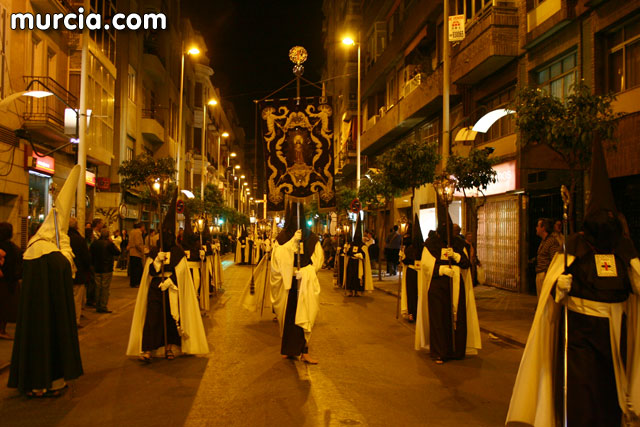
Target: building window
[[506, 125], [129, 155], [429, 132], [131, 86], [558, 77], [471, 8], [623, 47]]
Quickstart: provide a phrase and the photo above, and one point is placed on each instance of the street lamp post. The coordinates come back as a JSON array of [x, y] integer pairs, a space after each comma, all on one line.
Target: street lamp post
[[203, 151], [351, 42], [191, 51]]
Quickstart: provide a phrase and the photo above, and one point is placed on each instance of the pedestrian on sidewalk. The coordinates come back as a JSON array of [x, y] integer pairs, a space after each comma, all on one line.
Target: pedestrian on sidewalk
[[445, 269], [10, 275], [394, 245], [124, 252], [46, 352], [136, 254], [103, 252], [82, 261], [546, 250], [600, 290], [295, 290]]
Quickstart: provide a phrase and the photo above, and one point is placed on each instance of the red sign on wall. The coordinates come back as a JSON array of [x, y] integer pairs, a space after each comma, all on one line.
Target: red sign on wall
[[90, 179], [45, 164], [103, 183]]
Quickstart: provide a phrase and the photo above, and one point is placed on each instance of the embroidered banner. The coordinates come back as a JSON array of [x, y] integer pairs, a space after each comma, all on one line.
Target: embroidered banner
[[298, 151]]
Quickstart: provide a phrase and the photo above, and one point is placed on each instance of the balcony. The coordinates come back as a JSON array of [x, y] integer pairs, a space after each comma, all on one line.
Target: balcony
[[44, 117], [51, 6], [347, 158], [152, 60], [153, 125], [422, 99], [491, 42]]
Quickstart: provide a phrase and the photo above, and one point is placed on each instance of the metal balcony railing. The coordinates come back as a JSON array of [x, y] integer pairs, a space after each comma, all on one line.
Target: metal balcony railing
[[50, 109]]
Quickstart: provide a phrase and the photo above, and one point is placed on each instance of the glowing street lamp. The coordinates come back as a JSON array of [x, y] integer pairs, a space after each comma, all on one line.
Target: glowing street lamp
[[351, 42], [193, 51]]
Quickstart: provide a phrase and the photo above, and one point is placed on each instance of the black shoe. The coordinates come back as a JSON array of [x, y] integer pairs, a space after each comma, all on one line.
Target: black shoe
[[104, 311], [90, 304]]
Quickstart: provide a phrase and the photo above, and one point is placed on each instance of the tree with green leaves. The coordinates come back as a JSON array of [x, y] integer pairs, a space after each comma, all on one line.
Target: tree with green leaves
[[409, 165], [567, 128], [135, 172], [473, 172]]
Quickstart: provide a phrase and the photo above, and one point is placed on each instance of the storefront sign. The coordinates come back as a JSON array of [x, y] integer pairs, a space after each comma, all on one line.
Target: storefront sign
[[90, 179], [456, 28], [44, 164], [103, 183], [505, 181]]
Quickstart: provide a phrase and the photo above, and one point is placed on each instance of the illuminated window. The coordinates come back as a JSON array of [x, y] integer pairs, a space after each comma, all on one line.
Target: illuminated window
[[623, 46]]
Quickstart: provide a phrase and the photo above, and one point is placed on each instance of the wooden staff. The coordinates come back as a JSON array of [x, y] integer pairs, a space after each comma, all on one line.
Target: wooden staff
[[566, 197], [164, 304], [453, 317]]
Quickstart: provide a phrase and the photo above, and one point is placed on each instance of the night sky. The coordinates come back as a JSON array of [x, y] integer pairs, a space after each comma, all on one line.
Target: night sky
[[249, 42]]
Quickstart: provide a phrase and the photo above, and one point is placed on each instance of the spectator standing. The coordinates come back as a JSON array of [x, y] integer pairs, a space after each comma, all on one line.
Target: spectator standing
[[136, 255], [82, 260], [557, 232], [394, 250], [103, 251], [387, 250], [547, 249], [10, 274], [97, 226]]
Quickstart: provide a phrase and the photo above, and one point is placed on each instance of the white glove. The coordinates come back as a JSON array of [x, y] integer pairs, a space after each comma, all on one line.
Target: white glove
[[299, 275], [157, 263], [202, 254], [358, 256], [450, 253], [166, 284], [445, 271], [217, 246], [298, 236], [563, 286]]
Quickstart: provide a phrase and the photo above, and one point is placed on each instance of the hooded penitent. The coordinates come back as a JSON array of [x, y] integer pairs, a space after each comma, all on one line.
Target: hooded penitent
[[46, 350], [190, 241], [357, 235], [169, 225]]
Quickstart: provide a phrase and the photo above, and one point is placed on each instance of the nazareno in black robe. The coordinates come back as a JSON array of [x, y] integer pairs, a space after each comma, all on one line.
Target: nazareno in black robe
[[439, 300], [352, 281], [590, 376], [46, 342], [293, 341], [411, 280], [153, 331]]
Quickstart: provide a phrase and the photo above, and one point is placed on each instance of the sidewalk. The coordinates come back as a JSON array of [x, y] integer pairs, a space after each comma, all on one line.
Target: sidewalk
[[121, 296], [508, 315]]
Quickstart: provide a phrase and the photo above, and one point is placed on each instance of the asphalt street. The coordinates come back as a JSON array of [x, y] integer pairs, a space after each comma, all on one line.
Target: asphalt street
[[368, 373]]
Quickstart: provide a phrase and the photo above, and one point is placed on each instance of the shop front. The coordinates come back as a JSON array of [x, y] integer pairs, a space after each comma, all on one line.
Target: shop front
[[40, 169]]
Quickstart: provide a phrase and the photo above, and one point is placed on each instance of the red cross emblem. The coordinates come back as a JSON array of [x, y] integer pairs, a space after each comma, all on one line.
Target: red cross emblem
[[606, 266]]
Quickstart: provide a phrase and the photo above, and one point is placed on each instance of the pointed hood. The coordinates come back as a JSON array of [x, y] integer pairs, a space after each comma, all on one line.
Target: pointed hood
[[290, 224], [206, 234], [189, 237], [169, 224], [416, 236], [44, 241], [602, 228], [357, 235], [443, 215]]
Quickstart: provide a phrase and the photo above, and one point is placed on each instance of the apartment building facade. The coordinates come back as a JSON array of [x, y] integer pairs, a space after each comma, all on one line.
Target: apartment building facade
[[547, 44]]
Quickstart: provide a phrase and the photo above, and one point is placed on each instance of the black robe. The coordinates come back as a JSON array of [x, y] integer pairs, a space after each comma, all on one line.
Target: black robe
[[46, 342], [592, 394], [353, 282], [439, 300], [293, 341], [153, 331], [411, 280]]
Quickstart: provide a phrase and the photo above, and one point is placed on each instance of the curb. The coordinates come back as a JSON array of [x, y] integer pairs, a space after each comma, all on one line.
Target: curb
[[504, 337]]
